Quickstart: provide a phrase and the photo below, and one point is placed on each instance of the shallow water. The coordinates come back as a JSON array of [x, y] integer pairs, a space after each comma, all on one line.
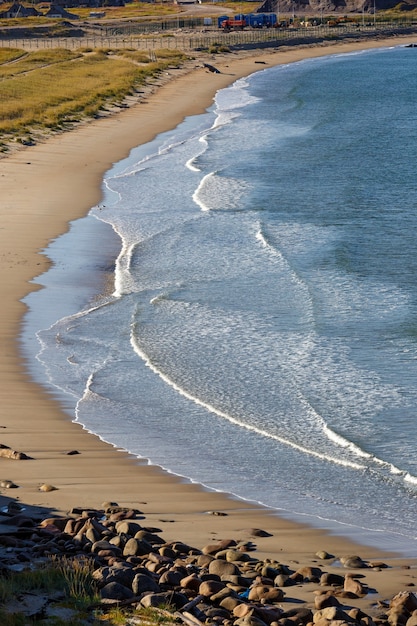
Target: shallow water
[[261, 338]]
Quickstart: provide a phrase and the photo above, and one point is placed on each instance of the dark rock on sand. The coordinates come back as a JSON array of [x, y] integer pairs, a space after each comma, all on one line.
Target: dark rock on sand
[[142, 583], [115, 592], [8, 484], [325, 600], [353, 586], [352, 562], [333, 580], [8, 453]]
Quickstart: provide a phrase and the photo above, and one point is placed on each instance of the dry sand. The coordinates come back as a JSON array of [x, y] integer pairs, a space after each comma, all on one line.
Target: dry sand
[[42, 188]]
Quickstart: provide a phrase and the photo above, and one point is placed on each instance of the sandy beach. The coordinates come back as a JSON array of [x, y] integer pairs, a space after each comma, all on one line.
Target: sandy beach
[[43, 188]]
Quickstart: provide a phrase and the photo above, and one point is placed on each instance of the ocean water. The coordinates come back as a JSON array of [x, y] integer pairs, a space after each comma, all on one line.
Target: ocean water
[[258, 328]]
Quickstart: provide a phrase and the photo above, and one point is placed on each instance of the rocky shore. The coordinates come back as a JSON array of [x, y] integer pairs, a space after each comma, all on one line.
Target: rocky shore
[[222, 583]]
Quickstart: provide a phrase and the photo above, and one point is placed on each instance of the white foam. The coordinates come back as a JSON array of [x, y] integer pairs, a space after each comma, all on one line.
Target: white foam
[[218, 192], [142, 354]]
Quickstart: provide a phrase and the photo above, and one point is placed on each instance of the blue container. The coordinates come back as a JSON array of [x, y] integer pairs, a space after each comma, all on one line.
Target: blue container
[[255, 20], [221, 19]]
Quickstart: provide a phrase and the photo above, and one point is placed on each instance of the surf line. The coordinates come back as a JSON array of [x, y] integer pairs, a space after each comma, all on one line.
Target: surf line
[[140, 352], [196, 198]]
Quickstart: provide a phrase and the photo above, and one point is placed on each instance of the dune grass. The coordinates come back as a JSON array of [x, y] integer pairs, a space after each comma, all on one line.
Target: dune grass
[[21, 63], [8, 55], [69, 584], [71, 576], [52, 89]]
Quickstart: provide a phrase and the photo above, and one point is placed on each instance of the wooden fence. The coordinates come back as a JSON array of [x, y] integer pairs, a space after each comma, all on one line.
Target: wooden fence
[[204, 40]]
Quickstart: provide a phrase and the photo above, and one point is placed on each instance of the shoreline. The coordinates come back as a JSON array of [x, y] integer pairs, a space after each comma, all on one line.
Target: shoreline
[[38, 184]]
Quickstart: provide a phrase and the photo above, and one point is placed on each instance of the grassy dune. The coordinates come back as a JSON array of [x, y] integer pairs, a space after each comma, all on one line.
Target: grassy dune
[[52, 89]]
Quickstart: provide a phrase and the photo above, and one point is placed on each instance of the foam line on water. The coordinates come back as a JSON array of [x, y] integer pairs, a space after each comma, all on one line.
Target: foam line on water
[[122, 276], [196, 198], [263, 239], [345, 443], [212, 409], [191, 162], [70, 359], [336, 438]]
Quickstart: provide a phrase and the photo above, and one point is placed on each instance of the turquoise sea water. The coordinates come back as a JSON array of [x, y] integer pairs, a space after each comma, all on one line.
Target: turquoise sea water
[[262, 334]]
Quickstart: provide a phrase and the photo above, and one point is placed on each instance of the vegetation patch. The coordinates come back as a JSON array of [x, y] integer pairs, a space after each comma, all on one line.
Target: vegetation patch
[[217, 48], [62, 591], [51, 89], [34, 60], [8, 55]]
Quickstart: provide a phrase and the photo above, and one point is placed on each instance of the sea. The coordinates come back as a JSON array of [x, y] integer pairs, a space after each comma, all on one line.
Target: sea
[[241, 307]]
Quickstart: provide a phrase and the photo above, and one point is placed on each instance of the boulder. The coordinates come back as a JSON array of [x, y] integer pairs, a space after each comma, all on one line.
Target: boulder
[[168, 552], [242, 610], [97, 546], [270, 571], [323, 555], [128, 527], [299, 616], [331, 613], [354, 586], [210, 587], [182, 548], [226, 592], [325, 600], [8, 453], [116, 592], [333, 580], [398, 616], [223, 568], [47, 488], [142, 583], [175, 600], [118, 541], [412, 620], [171, 578], [257, 532], [406, 600], [136, 547], [352, 562], [204, 560], [235, 555], [8, 484], [230, 602], [191, 582], [360, 617], [283, 580], [122, 574], [307, 574], [211, 548], [92, 535], [149, 537], [268, 614], [265, 593]]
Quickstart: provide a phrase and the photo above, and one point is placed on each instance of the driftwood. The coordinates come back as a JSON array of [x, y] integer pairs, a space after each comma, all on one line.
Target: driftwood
[[188, 618], [211, 68], [190, 605]]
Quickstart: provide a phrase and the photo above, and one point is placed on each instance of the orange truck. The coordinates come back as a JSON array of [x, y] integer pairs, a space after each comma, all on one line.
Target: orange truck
[[234, 23]]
